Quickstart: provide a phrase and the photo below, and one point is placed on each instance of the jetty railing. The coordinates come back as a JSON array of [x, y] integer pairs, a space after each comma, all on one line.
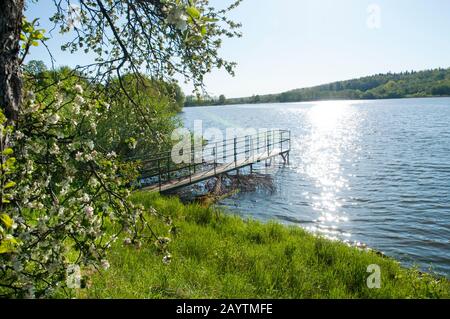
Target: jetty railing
[[212, 156]]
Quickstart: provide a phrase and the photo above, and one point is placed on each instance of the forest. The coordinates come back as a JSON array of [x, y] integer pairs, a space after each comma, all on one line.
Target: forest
[[408, 84]]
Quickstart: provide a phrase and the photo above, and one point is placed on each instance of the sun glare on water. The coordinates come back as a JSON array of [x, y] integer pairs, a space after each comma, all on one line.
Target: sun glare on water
[[332, 133]]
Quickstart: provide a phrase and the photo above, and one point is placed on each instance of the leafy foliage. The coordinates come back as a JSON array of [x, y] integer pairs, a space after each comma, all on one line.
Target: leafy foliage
[[162, 37], [139, 133], [30, 36], [66, 190], [66, 184], [8, 242]]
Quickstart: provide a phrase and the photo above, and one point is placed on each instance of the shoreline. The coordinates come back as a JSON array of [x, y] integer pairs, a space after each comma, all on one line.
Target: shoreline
[[325, 100], [215, 255], [209, 200]]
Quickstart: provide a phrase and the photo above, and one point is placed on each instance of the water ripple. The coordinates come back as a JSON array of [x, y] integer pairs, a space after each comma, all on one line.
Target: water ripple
[[375, 172]]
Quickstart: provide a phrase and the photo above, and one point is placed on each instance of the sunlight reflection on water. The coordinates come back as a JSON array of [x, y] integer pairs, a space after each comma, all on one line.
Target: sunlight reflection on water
[[332, 134], [375, 172]]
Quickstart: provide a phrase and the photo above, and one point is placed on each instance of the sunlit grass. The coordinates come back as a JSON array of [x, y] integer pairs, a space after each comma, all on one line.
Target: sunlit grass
[[216, 255]]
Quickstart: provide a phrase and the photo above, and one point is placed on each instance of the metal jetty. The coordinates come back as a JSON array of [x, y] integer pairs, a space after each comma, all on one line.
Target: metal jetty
[[161, 174]]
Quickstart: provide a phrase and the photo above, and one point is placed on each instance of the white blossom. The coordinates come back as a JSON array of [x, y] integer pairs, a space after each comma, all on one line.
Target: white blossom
[[90, 144], [54, 149], [111, 154], [86, 198], [93, 182], [19, 135], [76, 109], [132, 144], [54, 119], [89, 210], [178, 18], [167, 259], [79, 156], [59, 100], [105, 264], [79, 89], [79, 100], [162, 242]]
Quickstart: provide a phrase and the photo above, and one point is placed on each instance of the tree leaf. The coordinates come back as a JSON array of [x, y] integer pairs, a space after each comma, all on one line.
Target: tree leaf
[[9, 185], [6, 220], [193, 12], [7, 245], [8, 151]]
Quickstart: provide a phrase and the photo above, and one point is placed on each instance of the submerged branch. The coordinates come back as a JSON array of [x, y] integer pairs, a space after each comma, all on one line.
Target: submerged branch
[[226, 185]]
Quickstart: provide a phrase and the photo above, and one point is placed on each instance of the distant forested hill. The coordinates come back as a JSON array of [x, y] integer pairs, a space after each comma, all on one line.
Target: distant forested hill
[[381, 86]]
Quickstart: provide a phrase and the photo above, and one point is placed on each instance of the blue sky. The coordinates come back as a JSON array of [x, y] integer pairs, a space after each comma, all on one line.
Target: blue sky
[[289, 44]]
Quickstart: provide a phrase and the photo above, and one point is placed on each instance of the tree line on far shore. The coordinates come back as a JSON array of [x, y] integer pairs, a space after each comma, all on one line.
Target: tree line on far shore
[[426, 83]]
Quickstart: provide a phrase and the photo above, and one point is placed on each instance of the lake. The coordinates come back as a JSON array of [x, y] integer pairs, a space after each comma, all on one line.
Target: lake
[[374, 173]]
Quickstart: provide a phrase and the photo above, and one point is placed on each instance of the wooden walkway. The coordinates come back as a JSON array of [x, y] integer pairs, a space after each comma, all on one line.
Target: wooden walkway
[[161, 175]]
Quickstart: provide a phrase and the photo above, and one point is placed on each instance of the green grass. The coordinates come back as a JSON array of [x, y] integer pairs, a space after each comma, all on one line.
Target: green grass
[[216, 255]]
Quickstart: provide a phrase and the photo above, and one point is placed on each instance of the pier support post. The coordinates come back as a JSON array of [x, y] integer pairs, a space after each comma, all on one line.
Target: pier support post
[[281, 141], [215, 159], [235, 152], [224, 150]]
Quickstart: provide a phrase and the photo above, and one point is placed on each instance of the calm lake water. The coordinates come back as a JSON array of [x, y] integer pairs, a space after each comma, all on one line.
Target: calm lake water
[[374, 172]]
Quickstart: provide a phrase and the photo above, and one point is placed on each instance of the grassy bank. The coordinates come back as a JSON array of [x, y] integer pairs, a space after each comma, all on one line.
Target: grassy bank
[[220, 256]]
